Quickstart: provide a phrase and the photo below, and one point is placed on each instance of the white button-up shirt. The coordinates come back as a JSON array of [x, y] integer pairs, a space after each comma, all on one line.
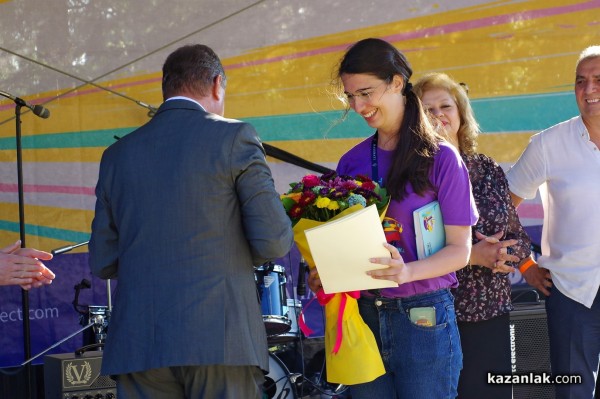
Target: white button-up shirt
[[565, 165]]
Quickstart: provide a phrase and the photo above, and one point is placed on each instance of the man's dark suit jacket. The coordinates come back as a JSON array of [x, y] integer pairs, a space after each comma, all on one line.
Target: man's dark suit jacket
[[186, 207]]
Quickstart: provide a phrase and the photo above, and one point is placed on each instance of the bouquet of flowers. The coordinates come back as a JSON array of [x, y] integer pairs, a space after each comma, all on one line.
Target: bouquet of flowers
[[321, 199], [313, 201]]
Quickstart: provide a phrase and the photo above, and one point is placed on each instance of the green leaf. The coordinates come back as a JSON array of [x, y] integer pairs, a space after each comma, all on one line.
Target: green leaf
[[288, 203]]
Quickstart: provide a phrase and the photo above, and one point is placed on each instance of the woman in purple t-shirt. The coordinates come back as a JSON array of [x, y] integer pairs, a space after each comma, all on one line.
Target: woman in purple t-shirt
[[423, 357]]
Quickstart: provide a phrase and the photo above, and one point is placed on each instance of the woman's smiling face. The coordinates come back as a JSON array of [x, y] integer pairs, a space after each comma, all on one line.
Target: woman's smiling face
[[441, 105], [379, 102]]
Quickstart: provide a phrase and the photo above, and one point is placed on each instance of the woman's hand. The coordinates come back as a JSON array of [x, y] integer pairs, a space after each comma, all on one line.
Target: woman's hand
[[397, 271], [314, 282], [493, 253]]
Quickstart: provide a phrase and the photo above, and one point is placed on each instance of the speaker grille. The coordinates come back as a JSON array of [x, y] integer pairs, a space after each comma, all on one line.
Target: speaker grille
[[531, 349]]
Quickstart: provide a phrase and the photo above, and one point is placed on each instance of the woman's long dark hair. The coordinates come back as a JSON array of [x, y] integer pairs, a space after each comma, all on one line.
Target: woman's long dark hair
[[417, 142]]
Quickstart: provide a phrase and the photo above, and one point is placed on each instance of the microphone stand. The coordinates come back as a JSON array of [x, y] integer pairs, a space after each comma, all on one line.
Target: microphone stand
[[42, 113], [99, 333], [92, 323], [24, 293]]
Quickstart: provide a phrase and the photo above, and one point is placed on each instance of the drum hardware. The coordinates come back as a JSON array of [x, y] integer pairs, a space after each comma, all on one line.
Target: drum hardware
[[97, 316], [279, 383], [306, 375], [318, 388], [270, 284], [280, 316], [100, 314], [91, 324], [292, 312]]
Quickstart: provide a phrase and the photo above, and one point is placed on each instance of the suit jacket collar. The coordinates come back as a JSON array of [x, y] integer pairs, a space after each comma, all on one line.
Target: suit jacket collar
[[179, 103]]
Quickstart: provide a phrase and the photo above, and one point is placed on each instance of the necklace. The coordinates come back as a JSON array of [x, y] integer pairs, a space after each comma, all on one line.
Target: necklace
[[385, 145]]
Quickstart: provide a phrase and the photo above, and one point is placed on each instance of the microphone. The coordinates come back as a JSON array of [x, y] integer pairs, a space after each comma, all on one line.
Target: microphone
[[84, 284], [301, 287], [68, 248], [37, 109]]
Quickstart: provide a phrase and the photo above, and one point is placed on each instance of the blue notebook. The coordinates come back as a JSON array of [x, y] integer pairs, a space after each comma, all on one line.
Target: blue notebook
[[429, 229]]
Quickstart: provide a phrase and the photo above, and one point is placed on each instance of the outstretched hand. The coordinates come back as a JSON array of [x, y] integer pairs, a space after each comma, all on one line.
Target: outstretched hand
[[21, 266]]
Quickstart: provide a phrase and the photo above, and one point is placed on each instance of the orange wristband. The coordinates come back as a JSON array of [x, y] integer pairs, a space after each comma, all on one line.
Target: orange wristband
[[523, 268]]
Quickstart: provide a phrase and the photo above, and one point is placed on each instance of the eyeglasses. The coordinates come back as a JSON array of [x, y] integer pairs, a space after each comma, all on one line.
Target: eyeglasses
[[364, 95]]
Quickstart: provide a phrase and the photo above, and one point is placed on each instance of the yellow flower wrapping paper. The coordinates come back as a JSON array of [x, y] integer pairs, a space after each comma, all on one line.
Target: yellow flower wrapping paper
[[352, 356]]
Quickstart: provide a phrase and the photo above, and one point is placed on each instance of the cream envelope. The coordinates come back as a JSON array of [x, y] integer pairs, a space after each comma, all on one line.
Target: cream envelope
[[341, 250]]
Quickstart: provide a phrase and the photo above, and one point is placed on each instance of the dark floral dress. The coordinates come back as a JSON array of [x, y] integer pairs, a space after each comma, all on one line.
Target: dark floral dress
[[481, 294]]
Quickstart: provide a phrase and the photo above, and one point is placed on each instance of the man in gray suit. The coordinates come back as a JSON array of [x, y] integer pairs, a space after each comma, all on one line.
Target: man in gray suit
[[186, 207]]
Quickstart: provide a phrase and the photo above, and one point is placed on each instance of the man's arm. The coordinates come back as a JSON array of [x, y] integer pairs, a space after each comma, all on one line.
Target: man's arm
[[266, 226], [516, 200], [537, 276]]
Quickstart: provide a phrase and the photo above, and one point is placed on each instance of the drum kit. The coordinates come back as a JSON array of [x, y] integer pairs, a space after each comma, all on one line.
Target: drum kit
[[280, 316], [279, 312]]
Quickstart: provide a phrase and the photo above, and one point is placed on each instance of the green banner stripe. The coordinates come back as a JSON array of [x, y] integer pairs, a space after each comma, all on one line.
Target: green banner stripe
[[524, 113], [91, 138], [47, 232], [500, 114]]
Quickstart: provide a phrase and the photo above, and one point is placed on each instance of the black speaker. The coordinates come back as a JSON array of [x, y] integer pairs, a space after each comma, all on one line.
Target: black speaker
[[530, 349], [70, 376]]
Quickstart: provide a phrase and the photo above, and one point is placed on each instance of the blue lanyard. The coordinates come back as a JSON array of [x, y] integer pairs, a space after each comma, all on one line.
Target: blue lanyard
[[374, 166]]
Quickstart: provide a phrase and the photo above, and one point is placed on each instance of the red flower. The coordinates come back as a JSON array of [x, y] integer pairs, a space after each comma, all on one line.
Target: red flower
[[311, 181], [368, 185], [307, 198], [296, 211], [321, 198]]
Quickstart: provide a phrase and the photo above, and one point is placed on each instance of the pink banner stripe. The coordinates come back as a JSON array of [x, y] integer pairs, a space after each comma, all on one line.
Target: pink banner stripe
[[494, 20], [40, 188], [438, 30], [533, 211]]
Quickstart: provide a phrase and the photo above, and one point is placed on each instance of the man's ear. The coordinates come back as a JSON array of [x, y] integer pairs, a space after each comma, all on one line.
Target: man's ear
[[217, 92]]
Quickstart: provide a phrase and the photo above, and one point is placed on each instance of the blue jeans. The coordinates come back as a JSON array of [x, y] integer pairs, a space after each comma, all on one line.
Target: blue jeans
[[420, 362], [574, 333]]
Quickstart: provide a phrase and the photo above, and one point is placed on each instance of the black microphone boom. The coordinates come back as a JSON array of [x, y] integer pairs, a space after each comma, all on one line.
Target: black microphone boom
[[68, 248], [36, 109], [301, 287], [293, 159]]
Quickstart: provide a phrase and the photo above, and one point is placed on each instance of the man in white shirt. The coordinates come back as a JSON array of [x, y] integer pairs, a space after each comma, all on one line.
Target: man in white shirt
[[564, 163]]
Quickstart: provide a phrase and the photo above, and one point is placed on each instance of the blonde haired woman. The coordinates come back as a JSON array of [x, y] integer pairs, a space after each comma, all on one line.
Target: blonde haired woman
[[482, 298]]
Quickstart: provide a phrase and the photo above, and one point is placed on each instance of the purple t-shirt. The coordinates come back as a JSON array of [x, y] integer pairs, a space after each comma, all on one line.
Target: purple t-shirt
[[449, 176]]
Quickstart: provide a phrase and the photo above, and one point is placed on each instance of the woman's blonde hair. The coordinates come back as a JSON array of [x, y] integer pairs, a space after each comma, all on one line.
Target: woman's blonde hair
[[469, 128]]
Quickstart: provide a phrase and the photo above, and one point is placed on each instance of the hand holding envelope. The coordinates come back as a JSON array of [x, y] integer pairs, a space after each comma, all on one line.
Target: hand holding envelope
[[341, 250]]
